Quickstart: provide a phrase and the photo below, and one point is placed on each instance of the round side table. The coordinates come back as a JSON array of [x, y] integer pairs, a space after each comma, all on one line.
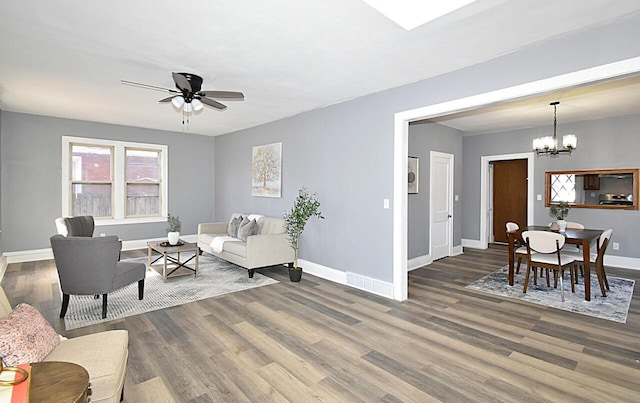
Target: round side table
[[58, 382]]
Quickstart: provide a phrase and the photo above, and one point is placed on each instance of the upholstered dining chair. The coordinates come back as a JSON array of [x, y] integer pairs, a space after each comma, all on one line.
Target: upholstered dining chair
[[574, 225], [597, 259], [90, 266], [520, 249], [547, 245]]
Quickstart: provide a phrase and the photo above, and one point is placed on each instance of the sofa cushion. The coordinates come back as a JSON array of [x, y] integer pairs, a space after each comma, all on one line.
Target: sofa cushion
[[248, 229], [25, 336], [234, 224], [271, 225], [238, 248], [103, 355]]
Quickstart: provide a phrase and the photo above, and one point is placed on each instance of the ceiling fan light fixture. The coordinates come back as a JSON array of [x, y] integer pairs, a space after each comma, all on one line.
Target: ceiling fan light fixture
[[197, 104], [177, 101], [187, 107]]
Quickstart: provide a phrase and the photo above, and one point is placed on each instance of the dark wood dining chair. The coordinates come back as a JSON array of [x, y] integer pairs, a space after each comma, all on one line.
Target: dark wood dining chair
[[597, 259], [520, 250]]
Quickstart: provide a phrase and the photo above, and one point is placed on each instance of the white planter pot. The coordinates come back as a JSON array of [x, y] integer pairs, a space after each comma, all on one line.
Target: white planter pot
[[174, 237], [562, 225]]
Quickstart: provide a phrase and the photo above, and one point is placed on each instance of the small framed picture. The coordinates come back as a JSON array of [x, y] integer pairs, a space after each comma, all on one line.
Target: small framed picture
[[413, 175]]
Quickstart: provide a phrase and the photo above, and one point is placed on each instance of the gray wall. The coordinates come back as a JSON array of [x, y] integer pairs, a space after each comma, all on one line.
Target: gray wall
[[425, 137], [345, 151], [31, 177], [602, 144]]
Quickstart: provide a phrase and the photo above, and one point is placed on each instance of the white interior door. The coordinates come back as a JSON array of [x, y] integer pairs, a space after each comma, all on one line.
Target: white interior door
[[441, 202]]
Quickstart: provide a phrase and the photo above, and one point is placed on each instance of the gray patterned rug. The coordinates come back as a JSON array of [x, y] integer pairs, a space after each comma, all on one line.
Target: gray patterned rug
[[215, 277], [614, 307]]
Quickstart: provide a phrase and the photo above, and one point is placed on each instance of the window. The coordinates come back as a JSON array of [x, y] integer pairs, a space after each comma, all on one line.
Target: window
[[142, 169], [114, 181], [563, 188], [91, 180]]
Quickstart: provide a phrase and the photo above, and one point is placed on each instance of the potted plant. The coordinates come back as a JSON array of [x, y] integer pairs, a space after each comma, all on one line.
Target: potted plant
[[173, 229], [560, 211], [305, 206]]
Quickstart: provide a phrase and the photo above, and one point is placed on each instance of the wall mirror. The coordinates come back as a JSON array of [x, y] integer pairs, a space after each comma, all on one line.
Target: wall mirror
[[597, 188]]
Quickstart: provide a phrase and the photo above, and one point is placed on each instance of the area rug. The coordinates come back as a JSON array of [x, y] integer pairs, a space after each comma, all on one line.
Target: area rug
[[614, 306], [215, 277]]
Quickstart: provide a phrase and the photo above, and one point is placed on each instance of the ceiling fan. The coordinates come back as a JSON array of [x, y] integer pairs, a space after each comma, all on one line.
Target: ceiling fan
[[188, 96]]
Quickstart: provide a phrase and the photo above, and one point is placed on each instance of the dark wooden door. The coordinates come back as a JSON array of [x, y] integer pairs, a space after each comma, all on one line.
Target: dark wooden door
[[509, 196]]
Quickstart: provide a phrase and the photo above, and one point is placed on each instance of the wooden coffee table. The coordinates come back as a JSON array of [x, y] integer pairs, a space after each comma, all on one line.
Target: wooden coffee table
[[53, 381], [172, 265]]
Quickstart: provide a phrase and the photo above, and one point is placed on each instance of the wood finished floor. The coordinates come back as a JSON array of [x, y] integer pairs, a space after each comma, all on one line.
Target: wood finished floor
[[318, 341]]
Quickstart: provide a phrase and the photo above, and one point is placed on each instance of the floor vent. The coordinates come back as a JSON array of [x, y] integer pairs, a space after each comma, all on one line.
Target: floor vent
[[370, 284]]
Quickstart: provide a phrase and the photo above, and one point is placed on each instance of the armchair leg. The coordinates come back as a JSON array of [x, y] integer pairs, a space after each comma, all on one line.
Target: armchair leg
[[104, 306], [141, 289], [65, 305], [250, 273]]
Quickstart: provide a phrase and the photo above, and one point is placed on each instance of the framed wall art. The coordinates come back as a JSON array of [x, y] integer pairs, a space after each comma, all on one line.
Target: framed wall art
[[266, 170], [413, 175]]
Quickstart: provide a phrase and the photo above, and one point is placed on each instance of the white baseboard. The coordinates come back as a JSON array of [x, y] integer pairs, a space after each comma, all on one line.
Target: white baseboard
[[29, 255], [621, 261], [354, 280], [472, 243], [418, 262], [142, 243], [47, 253], [457, 250], [324, 272]]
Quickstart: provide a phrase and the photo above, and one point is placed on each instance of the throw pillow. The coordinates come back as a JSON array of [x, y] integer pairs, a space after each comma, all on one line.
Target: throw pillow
[[25, 336], [245, 231], [233, 226]]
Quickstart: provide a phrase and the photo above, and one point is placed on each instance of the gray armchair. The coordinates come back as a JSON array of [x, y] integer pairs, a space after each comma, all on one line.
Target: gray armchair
[[75, 226], [90, 266], [83, 225]]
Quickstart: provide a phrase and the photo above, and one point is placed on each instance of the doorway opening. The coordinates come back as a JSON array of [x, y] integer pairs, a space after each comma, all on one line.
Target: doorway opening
[[400, 148]]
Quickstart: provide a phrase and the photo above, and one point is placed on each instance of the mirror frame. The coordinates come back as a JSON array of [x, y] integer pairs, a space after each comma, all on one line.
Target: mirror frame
[[634, 171]]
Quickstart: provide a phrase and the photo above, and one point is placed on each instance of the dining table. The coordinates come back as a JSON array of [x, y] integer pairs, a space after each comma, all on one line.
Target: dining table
[[582, 237]]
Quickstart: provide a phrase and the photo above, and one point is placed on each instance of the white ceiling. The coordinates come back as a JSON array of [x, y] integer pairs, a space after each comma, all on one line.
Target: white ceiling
[[66, 58], [594, 101]]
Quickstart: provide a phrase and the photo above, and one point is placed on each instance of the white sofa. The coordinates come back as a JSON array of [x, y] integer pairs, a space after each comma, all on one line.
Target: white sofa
[[268, 247], [103, 354]]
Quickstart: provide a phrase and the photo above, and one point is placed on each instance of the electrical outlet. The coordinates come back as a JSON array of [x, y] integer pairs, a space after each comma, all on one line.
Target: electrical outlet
[[103, 235], [616, 246]]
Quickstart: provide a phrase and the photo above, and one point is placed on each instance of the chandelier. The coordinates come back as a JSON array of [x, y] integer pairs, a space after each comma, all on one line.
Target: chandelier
[[548, 145]]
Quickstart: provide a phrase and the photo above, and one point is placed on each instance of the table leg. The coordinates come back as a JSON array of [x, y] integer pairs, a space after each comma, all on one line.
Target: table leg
[[164, 267], [149, 257], [511, 254], [586, 263], [197, 262]]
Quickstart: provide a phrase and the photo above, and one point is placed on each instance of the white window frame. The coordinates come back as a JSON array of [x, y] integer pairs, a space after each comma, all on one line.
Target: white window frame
[[119, 190]]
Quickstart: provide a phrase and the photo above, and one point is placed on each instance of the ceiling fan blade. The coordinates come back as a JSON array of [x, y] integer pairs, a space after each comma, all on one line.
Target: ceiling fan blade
[[223, 94], [181, 81], [147, 86], [213, 103], [168, 99]]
